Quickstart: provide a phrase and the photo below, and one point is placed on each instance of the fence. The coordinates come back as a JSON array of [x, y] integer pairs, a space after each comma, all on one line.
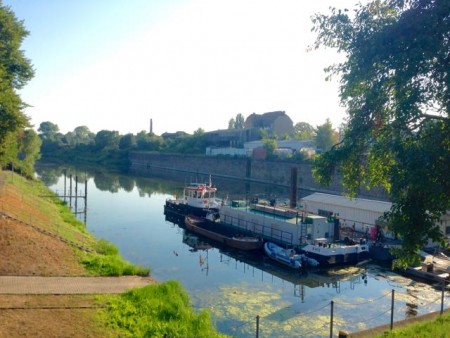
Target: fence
[[330, 327]]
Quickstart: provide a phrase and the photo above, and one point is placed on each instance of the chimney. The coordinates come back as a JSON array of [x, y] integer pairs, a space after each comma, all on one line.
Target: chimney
[[151, 126]]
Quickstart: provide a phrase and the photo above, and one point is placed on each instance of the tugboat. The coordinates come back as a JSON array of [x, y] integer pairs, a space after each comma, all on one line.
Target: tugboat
[[198, 199]]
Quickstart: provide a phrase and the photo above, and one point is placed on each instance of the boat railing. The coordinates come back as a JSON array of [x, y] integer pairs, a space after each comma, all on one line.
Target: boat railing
[[267, 232], [271, 211]]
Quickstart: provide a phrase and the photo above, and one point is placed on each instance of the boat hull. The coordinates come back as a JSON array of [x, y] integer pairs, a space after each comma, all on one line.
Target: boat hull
[[337, 254], [281, 256], [221, 234], [180, 209]]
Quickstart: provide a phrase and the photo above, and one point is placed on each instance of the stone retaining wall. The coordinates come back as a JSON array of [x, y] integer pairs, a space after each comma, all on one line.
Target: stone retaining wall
[[262, 171]]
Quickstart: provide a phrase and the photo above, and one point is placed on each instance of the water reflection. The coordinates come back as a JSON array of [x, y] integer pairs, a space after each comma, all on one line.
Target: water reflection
[[235, 286], [258, 264]]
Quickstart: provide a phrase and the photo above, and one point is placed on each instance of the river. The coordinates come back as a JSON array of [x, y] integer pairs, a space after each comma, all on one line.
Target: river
[[235, 287]]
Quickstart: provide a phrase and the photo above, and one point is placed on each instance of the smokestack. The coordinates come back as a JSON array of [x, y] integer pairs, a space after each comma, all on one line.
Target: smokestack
[[151, 126]]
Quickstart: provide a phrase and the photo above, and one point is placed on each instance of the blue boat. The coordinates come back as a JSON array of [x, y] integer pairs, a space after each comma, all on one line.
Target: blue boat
[[287, 257]]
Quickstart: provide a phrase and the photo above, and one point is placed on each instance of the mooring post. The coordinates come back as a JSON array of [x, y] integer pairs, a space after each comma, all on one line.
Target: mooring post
[[65, 185], [331, 319], [70, 191], [257, 326], [442, 297], [76, 194], [392, 309]]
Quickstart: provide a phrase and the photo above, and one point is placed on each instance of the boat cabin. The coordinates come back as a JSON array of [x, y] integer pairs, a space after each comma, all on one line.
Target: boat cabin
[[200, 195]]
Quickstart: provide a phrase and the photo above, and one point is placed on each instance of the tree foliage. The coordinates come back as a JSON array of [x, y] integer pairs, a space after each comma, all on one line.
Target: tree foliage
[[304, 131], [237, 122], [326, 136], [15, 72], [395, 83]]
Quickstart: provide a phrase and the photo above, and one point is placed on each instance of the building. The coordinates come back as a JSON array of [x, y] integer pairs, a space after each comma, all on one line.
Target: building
[[275, 123], [358, 213]]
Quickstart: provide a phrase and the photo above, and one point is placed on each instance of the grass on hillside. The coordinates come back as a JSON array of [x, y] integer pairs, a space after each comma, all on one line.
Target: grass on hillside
[[438, 328], [42, 208], [158, 310]]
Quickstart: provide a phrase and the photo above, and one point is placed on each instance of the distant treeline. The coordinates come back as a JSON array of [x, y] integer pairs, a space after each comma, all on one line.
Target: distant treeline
[[109, 146]]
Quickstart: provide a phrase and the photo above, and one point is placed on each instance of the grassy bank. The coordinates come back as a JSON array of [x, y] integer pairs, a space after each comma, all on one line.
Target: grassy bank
[[41, 236], [437, 328]]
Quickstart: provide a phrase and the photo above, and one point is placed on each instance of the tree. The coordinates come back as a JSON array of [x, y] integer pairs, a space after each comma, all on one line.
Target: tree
[[127, 141], [15, 72], [107, 140], [48, 130], [237, 122], [395, 85], [326, 137], [29, 151], [83, 135], [231, 123], [304, 131]]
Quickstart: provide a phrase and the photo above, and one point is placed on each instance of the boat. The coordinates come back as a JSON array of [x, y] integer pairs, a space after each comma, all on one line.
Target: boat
[[433, 269], [287, 257], [198, 199], [214, 230], [338, 253]]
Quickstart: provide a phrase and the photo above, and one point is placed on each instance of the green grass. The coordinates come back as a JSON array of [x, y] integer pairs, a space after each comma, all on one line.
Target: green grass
[[438, 328], [107, 262], [159, 310]]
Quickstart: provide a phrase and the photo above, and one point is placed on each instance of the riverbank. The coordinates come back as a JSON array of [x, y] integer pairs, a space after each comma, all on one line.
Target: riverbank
[[40, 237]]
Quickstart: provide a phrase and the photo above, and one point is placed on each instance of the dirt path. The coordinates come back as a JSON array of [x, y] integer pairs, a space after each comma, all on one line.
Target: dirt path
[[33, 285]]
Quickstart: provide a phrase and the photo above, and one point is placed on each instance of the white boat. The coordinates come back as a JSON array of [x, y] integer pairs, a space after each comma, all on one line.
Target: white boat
[[336, 253], [198, 199], [287, 257]]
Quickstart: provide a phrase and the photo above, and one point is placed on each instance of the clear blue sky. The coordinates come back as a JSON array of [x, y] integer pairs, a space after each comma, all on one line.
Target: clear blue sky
[[186, 64]]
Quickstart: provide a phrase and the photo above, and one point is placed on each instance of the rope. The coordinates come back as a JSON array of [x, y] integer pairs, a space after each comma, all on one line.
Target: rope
[[366, 302]]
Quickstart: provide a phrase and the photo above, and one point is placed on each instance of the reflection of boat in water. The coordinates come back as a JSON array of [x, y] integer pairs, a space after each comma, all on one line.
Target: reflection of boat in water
[[222, 234], [260, 266], [198, 199]]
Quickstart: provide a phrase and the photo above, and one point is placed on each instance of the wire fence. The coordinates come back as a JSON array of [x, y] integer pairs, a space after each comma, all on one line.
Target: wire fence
[[385, 305], [19, 206]]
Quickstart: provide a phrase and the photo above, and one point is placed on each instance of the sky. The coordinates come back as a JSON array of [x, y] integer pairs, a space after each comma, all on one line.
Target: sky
[[185, 64]]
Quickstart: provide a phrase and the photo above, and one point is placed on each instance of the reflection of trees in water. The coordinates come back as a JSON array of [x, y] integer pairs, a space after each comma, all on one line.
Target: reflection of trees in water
[[126, 183], [149, 186], [161, 181], [106, 181], [50, 174]]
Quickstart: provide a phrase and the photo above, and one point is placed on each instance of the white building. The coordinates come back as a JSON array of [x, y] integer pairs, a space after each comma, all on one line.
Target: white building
[[358, 213], [362, 213]]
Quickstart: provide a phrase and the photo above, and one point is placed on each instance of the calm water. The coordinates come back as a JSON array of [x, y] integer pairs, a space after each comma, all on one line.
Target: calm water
[[236, 287]]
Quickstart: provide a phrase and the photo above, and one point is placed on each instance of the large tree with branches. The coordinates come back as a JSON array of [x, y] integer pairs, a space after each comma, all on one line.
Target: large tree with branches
[[395, 85], [15, 72]]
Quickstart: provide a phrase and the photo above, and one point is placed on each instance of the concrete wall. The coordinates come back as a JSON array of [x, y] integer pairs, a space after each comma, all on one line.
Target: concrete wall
[[263, 171]]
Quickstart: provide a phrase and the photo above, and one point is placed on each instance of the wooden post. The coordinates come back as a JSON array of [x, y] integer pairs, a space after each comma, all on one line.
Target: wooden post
[[70, 191], [392, 309], [65, 185], [331, 319], [257, 326], [442, 297], [76, 195], [293, 197]]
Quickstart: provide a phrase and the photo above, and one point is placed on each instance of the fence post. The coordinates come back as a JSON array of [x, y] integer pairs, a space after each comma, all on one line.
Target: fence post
[[442, 297], [331, 319], [257, 326], [392, 309]]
